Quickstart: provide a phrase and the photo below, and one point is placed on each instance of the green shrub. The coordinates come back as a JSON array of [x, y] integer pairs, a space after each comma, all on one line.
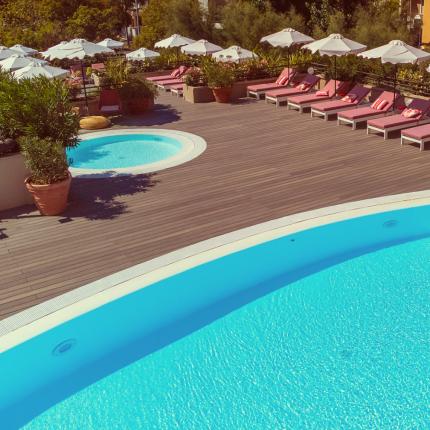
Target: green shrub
[[116, 73], [195, 78], [218, 75], [136, 88], [39, 107], [45, 158], [10, 109], [44, 111]]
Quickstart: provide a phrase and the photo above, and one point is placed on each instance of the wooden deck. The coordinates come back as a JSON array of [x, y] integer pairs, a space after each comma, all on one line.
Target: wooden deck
[[261, 163]]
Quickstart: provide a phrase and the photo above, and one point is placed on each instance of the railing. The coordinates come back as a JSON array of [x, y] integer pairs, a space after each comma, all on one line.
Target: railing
[[421, 88]]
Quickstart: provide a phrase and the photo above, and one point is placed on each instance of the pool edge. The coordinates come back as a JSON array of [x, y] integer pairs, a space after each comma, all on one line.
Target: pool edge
[[40, 318], [192, 147]]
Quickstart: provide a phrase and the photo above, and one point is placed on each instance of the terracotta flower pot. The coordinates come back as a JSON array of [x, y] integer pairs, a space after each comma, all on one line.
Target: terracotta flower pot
[[50, 199], [138, 106], [222, 95]]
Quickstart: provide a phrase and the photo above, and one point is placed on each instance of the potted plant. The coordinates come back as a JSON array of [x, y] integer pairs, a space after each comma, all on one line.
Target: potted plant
[[220, 78], [42, 120], [137, 96], [50, 179]]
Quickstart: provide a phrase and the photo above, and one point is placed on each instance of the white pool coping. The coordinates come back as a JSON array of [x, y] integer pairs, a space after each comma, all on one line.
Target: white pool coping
[[33, 321], [192, 147]]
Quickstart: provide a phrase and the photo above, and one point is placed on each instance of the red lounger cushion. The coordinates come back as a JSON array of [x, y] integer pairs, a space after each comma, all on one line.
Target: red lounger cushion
[[421, 132], [263, 87], [391, 121], [307, 98], [331, 105], [283, 92], [321, 93], [359, 113], [170, 82], [412, 113]]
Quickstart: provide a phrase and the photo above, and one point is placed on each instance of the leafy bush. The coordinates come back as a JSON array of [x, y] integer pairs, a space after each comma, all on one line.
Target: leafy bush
[[45, 158], [195, 78], [10, 99], [245, 23], [218, 75], [116, 73], [39, 107], [136, 88]]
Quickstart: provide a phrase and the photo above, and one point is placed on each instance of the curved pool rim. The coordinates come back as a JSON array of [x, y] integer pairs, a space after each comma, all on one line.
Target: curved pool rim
[[192, 147], [41, 318]]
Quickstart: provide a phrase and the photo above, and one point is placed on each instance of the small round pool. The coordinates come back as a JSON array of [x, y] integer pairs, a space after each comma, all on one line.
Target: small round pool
[[132, 151]]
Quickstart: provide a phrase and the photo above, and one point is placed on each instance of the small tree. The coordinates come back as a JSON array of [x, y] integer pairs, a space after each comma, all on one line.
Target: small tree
[[376, 25], [154, 23], [246, 23]]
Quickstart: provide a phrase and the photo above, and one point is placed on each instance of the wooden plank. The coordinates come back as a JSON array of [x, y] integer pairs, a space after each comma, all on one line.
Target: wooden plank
[[261, 163]]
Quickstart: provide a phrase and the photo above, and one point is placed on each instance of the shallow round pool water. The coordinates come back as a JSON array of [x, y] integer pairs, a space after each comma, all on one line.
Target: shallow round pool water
[[126, 150], [132, 151], [345, 348]]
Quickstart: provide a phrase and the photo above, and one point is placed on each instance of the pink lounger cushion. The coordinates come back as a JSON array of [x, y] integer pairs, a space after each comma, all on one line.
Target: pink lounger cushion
[[175, 74], [391, 121], [303, 87], [305, 99], [359, 113], [158, 78], [170, 82], [357, 94], [282, 81], [399, 119], [280, 92], [379, 107], [420, 132]]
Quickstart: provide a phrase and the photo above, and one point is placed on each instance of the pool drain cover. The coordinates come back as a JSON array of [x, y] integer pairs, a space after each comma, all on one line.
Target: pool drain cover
[[64, 347]]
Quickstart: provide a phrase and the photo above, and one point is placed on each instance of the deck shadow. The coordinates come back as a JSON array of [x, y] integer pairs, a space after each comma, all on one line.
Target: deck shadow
[[96, 199], [161, 114]]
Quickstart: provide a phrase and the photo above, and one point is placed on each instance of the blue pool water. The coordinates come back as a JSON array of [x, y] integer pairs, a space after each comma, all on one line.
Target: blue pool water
[[347, 347], [122, 151]]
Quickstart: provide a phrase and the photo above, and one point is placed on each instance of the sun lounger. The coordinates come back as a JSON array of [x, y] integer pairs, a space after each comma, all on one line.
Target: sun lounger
[[303, 87], [401, 121], [303, 101], [350, 101], [177, 89], [175, 74], [283, 80], [420, 134], [380, 107], [109, 102], [165, 85]]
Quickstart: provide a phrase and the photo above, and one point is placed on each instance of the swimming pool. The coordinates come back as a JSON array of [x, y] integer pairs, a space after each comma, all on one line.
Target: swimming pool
[[132, 151], [285, 327]]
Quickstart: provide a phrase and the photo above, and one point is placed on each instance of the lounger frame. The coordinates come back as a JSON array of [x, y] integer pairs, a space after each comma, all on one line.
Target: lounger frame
[[326, 114], [257, 94], [387, 130], [301, 106], [341, 120], [279, 100], [178, 92], [421, 142]]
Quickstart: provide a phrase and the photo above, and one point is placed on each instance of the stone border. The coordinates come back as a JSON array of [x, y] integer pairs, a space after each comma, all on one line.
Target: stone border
[[40, 318], [192, 147]]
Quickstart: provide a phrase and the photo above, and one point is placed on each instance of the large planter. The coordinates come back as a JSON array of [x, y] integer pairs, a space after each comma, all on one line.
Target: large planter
[[50, 199], [12, 175], [222, 94], [137, 106], [205, 95]]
